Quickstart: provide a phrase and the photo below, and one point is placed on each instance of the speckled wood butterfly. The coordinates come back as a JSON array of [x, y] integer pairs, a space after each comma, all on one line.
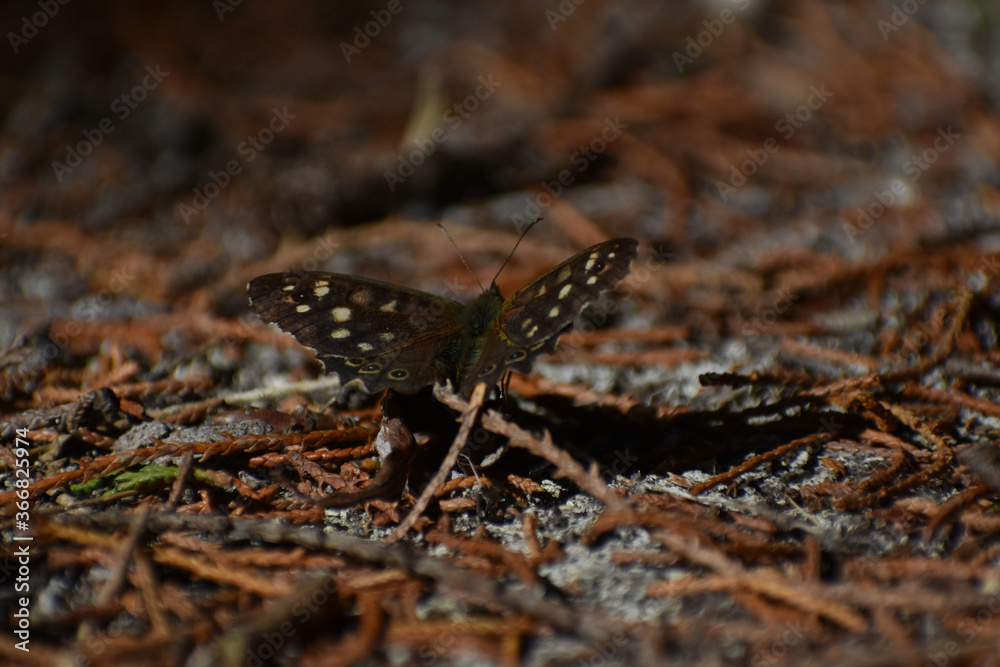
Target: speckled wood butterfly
[[383, 335]]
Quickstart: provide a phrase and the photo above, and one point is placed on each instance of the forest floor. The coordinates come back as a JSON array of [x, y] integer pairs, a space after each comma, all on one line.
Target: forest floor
[[775, 444]]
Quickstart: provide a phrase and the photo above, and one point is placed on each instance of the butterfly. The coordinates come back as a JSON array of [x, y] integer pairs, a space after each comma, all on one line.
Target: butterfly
[[382, 336]]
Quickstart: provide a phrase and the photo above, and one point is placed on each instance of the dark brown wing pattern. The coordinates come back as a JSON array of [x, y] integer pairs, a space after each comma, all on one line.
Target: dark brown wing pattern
[[368, 331], [532, 320]]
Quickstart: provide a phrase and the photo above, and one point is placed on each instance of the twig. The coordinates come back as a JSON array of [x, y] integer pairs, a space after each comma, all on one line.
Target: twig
[[328, 383], [468, 420], [557, 614]]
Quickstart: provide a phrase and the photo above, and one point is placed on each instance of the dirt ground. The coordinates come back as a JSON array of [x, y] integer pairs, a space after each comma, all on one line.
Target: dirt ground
[[774, 443]]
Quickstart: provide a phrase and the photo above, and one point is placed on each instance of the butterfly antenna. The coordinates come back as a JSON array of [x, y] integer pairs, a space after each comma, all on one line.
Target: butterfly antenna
[[467, 267], [519, 238]]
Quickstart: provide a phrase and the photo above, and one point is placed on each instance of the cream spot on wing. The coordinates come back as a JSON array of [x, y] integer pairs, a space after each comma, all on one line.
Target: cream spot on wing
[[341, 314], [526, 323], [611, 255], [321, 291], [565, 290], [533, 331], [302, 308], [591, 261], [542, 290], [389, 307], [591, 280], [288, 288], [387, 336], [364, 347], [554, 312], [340, 333], [362, 297], [564, 275]]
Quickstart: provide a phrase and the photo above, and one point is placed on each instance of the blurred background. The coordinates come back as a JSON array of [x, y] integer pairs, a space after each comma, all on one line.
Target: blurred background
[[154, 158]]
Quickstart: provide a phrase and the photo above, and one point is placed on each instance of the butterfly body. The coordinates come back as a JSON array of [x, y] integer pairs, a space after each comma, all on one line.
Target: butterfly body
[[386, 336]]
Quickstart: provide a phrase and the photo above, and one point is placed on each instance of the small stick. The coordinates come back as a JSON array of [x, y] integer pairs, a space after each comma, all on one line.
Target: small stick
[[468, 420]]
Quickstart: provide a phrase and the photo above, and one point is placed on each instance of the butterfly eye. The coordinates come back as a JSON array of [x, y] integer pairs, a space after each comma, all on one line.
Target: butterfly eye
[[371, 368], [489, 369], [517, 356], [398, 374]]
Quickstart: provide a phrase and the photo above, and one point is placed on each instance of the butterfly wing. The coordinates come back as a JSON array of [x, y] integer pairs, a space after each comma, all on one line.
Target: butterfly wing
[[378, 334], [533, 318]]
